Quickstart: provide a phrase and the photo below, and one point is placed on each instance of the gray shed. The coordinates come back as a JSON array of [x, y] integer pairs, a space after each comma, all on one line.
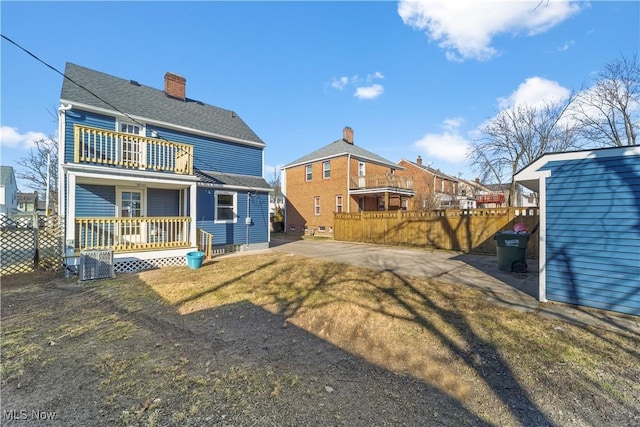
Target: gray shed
[[589, 227]]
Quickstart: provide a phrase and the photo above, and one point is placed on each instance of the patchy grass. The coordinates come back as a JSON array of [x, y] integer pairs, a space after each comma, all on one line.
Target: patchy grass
[[274, 339]]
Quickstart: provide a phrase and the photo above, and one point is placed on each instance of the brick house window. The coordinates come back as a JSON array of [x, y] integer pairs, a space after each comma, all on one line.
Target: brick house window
[[316, 205], [326, 169], [308, 172], [339, 203]]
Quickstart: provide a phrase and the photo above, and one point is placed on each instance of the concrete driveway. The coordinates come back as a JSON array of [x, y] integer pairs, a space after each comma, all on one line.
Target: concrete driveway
[[518, 291]]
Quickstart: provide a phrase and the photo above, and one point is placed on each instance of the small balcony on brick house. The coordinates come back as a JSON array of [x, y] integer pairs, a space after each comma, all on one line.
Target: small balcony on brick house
[[381, 182]]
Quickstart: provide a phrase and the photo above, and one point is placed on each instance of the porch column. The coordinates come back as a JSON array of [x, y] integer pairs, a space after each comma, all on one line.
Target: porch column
[[193, 190], [386, 201]]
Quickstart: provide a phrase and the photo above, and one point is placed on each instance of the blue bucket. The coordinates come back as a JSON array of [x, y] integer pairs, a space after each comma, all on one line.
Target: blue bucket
[[194, 259]]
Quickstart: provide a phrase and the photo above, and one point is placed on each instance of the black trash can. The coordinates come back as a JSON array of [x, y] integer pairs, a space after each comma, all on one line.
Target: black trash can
[[512, 251]]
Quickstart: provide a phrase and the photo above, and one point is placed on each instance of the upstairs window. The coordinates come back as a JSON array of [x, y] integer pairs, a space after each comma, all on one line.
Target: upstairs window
[[361, 170], [326, 169], [308, 172]]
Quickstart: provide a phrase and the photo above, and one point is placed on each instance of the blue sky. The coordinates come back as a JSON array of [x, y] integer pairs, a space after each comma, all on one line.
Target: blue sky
[[411, 79]]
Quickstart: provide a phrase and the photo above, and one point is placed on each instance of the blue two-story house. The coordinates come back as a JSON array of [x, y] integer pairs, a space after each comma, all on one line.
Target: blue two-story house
[[153, 174]]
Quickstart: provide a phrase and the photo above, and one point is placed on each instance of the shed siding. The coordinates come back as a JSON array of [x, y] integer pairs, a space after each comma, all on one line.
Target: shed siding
[[593, 232]]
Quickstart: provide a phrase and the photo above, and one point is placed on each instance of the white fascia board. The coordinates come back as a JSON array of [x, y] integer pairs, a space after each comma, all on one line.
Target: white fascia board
[[530, 175], [147, 120], [107, 173]]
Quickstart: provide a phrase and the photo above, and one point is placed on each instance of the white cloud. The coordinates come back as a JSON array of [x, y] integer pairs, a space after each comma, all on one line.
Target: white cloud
[[11, 138], [340, 83], [534, 92], [369, 92], [374, 76], [465, 29], [566, 46], [449, 146], [364, 88]]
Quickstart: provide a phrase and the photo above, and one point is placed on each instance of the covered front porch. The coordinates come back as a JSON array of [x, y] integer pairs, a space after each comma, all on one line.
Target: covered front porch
[[140, 215]]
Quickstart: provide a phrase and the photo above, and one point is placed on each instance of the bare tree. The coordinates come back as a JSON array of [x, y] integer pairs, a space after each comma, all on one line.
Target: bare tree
[[34, 173], [608, 113], [275, 182], [518, 136]]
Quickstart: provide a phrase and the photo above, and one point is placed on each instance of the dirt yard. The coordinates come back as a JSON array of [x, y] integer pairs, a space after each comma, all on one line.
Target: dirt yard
[[276, 340]]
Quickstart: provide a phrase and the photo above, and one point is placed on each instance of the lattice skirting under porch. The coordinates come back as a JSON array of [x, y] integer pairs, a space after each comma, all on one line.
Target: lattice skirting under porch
[[136, 265]]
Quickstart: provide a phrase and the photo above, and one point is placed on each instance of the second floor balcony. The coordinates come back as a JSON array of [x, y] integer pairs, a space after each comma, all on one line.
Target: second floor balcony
[[380, 181], [109, 148]]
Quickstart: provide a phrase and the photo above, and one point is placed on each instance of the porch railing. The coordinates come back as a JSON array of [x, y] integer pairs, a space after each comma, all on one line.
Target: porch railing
[[381, 181], [132, 234], [205, 242], [105, 147]]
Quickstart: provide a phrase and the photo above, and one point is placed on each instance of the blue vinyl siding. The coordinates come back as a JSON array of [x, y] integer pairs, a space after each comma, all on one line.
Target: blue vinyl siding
[[217, 155], [163, 202], [209, 154], [236, 233], [79, 117], [593, 232], [95, 201]]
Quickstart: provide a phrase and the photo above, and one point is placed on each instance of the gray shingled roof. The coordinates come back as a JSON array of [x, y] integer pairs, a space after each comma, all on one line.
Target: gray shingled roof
[[218, 178], [144, 101], [342, 148]]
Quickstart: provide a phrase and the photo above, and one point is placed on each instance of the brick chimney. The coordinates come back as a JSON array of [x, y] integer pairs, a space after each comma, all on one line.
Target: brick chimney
[[175, 86], [419, 160], [347, 134]]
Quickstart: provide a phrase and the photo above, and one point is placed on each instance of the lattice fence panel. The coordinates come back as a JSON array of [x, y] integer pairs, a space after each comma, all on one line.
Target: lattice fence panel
[[18, 239]]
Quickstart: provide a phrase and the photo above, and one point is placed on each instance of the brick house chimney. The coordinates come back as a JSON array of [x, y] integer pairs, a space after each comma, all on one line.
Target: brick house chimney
[[347, 134], [175, 86], [419, 160]]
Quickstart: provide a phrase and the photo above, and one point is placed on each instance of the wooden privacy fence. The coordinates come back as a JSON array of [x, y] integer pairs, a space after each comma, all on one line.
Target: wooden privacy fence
[[452, 229]]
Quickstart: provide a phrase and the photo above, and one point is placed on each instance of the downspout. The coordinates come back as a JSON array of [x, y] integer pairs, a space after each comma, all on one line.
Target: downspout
[[247, 220], [348, 178]]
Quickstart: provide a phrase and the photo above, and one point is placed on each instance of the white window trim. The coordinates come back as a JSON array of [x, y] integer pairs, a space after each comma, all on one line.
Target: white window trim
[[235, 208], [324, 171], [306, 175], [143, 208], [316, 206]]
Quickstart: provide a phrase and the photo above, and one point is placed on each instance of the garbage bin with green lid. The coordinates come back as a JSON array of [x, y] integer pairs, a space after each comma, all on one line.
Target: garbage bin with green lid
[[512, 251]]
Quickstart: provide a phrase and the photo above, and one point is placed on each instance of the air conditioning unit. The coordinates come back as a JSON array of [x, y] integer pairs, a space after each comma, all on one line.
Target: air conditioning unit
[[96, 264]]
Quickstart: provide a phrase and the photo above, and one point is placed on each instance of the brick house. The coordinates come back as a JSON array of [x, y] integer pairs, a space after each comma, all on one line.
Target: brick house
[[340, 177], [433, 189]]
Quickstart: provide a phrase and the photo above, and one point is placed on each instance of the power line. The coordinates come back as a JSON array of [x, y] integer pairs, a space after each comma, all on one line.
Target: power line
[[251, 188]]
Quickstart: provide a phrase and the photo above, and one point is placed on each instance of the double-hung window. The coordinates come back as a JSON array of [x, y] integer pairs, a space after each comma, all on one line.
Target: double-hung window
[[308, 172], [326, 169], [131, 150], [226, 206], [316, 205], [339, 203]]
